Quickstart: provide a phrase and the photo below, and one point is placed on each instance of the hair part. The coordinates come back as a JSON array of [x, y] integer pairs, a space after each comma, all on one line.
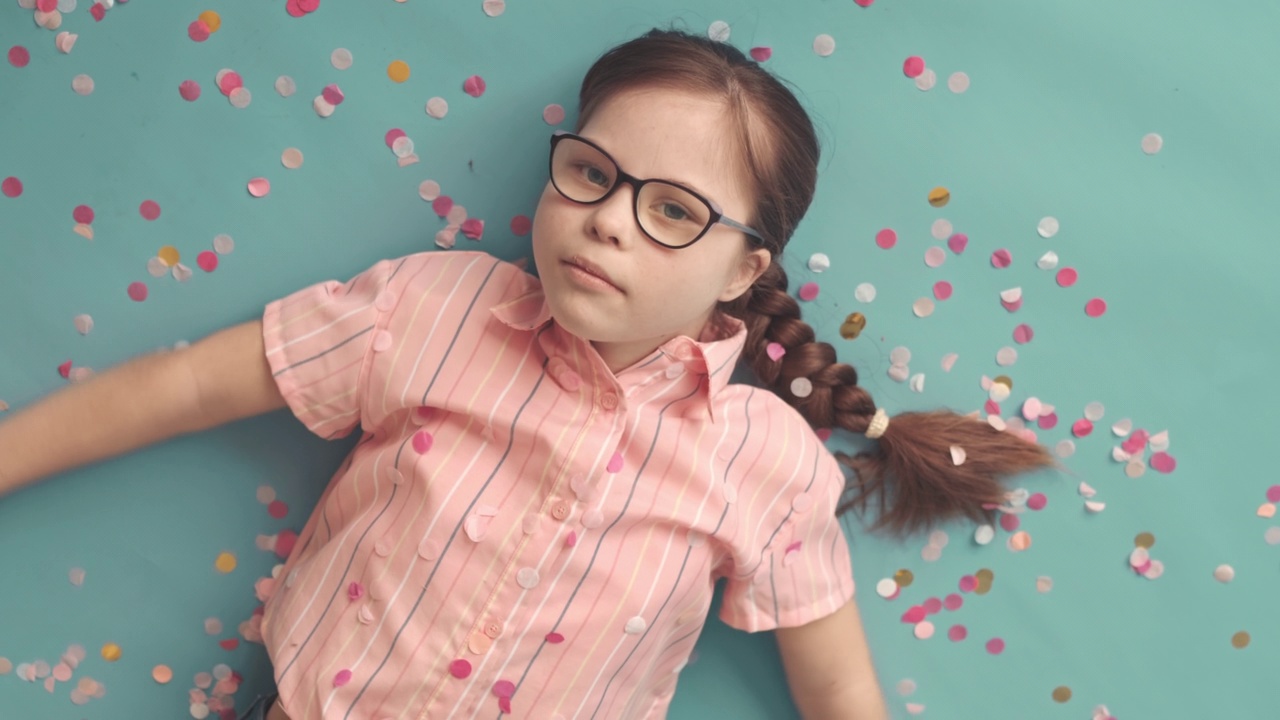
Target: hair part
[[909, 477]]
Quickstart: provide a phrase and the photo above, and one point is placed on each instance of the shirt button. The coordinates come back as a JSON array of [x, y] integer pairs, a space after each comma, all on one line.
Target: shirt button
[[385, 301], [493, 629], [609, 401], [382, 549], [560, 511], [382, 341]]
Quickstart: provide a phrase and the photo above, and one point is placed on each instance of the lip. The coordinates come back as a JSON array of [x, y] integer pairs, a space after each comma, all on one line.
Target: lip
[[591, 269]]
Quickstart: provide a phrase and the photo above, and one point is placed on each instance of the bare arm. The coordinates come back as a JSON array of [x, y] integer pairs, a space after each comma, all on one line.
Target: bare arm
[[829, 669], [151, 398]]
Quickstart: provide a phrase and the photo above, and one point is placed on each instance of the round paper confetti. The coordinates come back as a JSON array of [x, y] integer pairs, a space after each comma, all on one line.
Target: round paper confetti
[[941, 228], [958, 82], [808, 291], [958, 242], [718, 31], [341, 58], [494, 8], [1048, 227], [240, 98], [211, 20], [207, 261], [1001, 258], [1022, 334], [19, 56], [1240, 640], [398, 71], [223, 244], [1061, 694], [162, 674], [149, 209], [291, 158], [521, 225], [198, 31], [761, 54], [259, 187], [922, 307], [342, 678], [939, 197], [474, 86], [1067, 277], [957, 633], [1151, 143], [11, 187], [1224, 573], [942, 290], [225, 563], [927, 80], [111, 652], [286, 86], [553, 114], [824, 45], [864, 292], [886, 238], [1095, 307], [82, 84], [189, 90], [437, 107], [137, 292], [935, 256], [913, 66], [995, 646]]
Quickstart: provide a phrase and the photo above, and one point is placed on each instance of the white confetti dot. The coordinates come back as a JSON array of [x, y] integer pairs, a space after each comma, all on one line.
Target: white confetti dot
[[1094, 411], [285, 86], [527, 578], [939, 538], [922, 307], [886, 587], [1224, 573], [958, 82], [1044, 584], [926, 80], [1135, 469], [931, 553], [924, 630], [942, 229], [819, 262], [181, 272], [906, 687], [494, 8], [1006, 356], [984, 534], [322, 107], [1273, 535], [949, 361], [402, 146], [223, 244], [291, 158], [82, 84], [1048, 227], [1122, 428], [899, 373], [1048, 261], [429, 190], [1065, 449], [864, 293], [636, 625], [900, 355], [240, 98], [341, 58], [1151, 143], [917, 382], [157, 268], [84, 324], [935, 256], [437, 107], [801, 387], [824, 45], [719, 31], [999, 392]]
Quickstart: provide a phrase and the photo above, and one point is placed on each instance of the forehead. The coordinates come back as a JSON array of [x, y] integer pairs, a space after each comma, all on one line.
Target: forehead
[[673, 135]]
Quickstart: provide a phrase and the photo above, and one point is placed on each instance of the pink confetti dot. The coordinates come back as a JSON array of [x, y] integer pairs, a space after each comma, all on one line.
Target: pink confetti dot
[[1001, 258], [207, 260], [355, 591], [968, 584], [19, 56], [1023, 334], [230, 81], [333, 95], [442, 205], [555, 638], [137, 291], [11, 187], [82, 214], [1047, 422], [1163, 462], [942, 290], [285, 542], [808, 291], [863, 3], [308, 6], [521, 225], [953, 602], [913, 66], [1009, 522], [422, 441], [995, 646], [473, 228], [474, 86], [149, 209], [991, 407], [1273, 493], [1037, 501], [342, 678], [1095, 307], [1082, 427], [460, 669], [886, 238], [504, 688], [1067, 277], [393, 135], [504, 705], [933, 606], [553, 114], [259, 187], [958, 243], [47, 6], [189, 90], [957, 633], [198, 31], [914, 615], [98, 11], [277, 509], [760, 54], [615, 463]]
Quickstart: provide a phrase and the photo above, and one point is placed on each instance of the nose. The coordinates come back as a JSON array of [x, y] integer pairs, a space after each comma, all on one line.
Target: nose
[[613, 218]]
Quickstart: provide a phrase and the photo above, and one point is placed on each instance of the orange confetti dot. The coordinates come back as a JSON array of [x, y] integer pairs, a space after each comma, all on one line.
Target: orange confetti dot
[[111, 652], [162, 674], [212, 19], [398, 71], [1240, 640], [225, 563], [169, 255]]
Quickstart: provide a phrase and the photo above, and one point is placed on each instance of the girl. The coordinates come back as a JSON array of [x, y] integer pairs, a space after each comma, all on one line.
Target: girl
[[554, 472]]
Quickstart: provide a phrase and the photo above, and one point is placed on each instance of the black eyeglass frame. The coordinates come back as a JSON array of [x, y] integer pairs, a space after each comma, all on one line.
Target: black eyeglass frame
[[716, 216]]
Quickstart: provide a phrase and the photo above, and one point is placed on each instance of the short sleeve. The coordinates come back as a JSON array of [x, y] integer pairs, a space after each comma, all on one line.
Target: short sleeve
[[805, 573], [318, 342]]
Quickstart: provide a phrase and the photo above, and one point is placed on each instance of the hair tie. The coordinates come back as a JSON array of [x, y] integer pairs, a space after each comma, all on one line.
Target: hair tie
[[879, 422]]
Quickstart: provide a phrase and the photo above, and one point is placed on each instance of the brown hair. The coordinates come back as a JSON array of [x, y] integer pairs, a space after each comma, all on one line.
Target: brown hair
[[909, 477]]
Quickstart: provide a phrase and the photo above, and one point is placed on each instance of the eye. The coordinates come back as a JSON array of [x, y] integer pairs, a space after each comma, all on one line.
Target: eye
[[672, 211], [595, 175]]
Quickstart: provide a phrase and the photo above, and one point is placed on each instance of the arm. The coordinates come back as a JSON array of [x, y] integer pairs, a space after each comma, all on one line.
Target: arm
[[829, 669], [148, 399]]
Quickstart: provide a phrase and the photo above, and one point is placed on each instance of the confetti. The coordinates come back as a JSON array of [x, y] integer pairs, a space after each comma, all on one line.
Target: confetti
[[437, 107], [923, 307], [286, 86], [958, 82], [82, 84], [225, 562], [808, 291], [941, 228], [1001, 258], [958, 242], [1048, 227], [761, 54], [19, 56], [934, 257], [886, 238], [291, 158], [824, 45], [913, 66], [1151, 143], [162, 674], [927, 80], [398, 71], [149, 209], [494, 8], [341, 58], [111, 652], [11, 187], [942, 290], [259, 187], [1095, 307], [189, 90], [474, 86], [553, 114], [1067, 277], [718, 31]]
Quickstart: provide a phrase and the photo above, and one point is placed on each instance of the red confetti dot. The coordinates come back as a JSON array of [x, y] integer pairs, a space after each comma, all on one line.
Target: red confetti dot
[[150, 209], [886, 238], [1067, 277], [229, 82], [1163, 462], [11, 187], [277, 509], [460, 668], [422, 441], [1001, 258], [333, 94], [474, 86], [504, 705], [82, 214], [137, 291], [1047, 422], [292, 8], [958, 633], [197, 31], [808, 291], [308, 6], [229, 643], [942, 290], [863, 3], [913, 66], [958, 243], [207, 260], [555, 638], [1095, 307], [97, 11], [19, 56], [914, 615], [442, 205], [504, 688], [393, 135], [47, 6], [1082, 427], [760, 54], [473, 228], [1009, 522], [1038, 501], [991, 407], [189, 90], [995, 646], [285, 542], [65, 369], [521, 225], [1273, 493], [342, 678]]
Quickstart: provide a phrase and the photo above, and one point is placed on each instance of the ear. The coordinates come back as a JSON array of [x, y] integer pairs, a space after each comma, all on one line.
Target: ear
[[750, 269]]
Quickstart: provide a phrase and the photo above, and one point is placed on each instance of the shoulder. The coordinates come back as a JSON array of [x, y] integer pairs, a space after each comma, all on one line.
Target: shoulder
[[458, 271]]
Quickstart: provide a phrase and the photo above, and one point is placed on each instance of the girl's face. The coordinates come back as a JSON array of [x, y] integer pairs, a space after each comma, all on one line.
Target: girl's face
[[661, 292]]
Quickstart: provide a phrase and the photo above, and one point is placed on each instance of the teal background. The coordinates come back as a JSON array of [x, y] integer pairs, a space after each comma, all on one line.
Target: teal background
[[1178, 243]]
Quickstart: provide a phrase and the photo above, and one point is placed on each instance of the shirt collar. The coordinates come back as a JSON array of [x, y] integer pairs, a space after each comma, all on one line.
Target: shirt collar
[[713, 354]]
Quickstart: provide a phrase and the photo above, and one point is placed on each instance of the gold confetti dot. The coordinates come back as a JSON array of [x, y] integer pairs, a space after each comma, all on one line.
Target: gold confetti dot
[[1240, 640], [1144, 540], [985, 578], [162, 674], [1061, 694], [398, 71], [1004, 380], [225, 563], [904, 578], [853, 326], [212, 19], [111, 652], [939, 196], [169, 255]]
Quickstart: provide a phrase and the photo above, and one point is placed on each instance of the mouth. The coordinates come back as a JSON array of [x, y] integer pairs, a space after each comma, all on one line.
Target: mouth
[[591, 269]]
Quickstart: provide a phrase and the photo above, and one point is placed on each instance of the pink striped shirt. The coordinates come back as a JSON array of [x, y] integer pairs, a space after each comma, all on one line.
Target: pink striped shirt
[[519, 529]]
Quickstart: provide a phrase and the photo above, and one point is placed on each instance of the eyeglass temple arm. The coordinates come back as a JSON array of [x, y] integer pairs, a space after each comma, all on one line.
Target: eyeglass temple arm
[[739, 226]]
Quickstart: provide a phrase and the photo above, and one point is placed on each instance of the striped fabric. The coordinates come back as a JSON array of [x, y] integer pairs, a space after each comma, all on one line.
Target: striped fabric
[[519, 530]]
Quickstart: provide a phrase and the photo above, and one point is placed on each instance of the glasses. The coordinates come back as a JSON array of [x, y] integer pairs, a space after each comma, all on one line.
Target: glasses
[[671, 215]]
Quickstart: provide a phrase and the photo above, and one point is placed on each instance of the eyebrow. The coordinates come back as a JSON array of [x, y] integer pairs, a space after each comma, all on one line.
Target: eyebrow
[[685, 183]]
